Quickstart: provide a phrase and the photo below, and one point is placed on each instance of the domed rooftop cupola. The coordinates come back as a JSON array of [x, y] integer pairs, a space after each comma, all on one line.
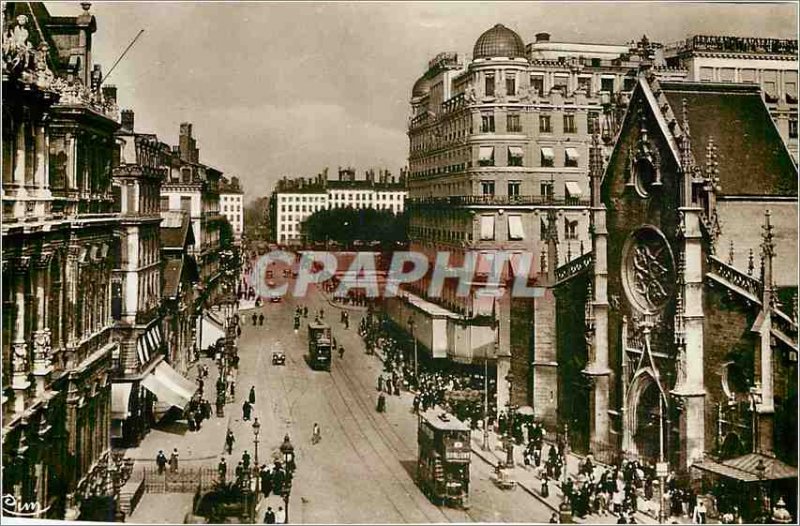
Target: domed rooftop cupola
[[421, 87], [499, 41]]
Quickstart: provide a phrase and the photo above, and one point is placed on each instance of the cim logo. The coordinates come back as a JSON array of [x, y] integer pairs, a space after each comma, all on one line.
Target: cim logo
[[21, 509]]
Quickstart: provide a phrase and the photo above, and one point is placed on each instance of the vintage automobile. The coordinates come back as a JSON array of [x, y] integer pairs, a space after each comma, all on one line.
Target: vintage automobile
[[278, 358]]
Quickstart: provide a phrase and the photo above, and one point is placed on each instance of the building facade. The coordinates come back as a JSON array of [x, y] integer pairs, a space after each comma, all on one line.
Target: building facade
[[231, 206], [293, 201], [767, 62], [688, 353], [58, 248]]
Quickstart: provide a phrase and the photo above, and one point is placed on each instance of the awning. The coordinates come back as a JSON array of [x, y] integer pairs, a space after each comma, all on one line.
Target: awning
[[572, 154], [169, 386], [743, 468], [121, 400], [547, 154], [211, 333], [149, 344], [486, 153], [515, 230], [515, 152], [573, 189], [487, 228]]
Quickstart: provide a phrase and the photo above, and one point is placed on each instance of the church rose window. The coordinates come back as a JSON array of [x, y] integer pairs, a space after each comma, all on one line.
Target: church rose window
[[648, 270]]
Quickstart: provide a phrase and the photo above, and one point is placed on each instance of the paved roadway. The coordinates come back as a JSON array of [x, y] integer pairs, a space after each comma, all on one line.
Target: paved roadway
[[363, 469]]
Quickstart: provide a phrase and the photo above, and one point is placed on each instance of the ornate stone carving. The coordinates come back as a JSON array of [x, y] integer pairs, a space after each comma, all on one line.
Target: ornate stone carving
[[648, 270]]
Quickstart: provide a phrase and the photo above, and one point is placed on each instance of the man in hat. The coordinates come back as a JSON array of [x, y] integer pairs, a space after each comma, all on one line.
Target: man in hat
[[252, 397], [269, 517], [161, 461], [222, 470], [246, 410]]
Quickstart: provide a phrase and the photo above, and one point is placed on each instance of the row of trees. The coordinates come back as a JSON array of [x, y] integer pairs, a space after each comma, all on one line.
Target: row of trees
[[348, 225]]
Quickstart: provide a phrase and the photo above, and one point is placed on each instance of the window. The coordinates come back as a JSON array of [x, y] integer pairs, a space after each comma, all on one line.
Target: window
[[512, 123], [164, 202], [489, 85], [486, 156], [547, 157], [487, 187], [186, 175], [793, 128], [515, 154], [513, 188], [628, 84], [569, 123], [706, 74], [593, 122], [572, 192], [186, 203], [487, 228], [511, 84], [570, 229], [544, 124], [770, 91], [585, 84], [607, 85], [546, 189], [571, 157], [560, 83], [791, 92], [542, 230], [537, 84], [487, 123], [515, 230]]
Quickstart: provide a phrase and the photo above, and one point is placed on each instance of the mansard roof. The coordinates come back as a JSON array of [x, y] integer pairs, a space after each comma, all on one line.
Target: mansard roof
[[753, 159]]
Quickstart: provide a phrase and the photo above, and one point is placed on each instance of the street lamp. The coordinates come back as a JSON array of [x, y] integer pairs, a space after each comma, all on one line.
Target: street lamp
[[256, 431], [411, 325], [286, 491], [760, 470], [287, 450], [510, 424]]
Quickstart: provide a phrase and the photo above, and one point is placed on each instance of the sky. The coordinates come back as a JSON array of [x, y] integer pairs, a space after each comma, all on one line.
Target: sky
[[280, 88]]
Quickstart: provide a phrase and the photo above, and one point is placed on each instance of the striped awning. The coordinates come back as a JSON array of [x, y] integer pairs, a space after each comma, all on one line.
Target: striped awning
[[169, 386], [149, 344]]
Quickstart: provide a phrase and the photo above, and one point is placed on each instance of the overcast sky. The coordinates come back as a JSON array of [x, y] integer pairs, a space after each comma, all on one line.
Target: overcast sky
[[279, 89]]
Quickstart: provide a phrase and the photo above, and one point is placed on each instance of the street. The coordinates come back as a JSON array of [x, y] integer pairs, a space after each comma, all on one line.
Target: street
[[363, 468]]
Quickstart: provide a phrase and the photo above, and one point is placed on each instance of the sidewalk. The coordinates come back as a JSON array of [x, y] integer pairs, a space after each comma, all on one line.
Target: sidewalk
[[528, 480]]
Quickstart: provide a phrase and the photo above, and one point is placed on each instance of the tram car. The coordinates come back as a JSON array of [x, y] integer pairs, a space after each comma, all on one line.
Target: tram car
[[319, 346], [444, 458]]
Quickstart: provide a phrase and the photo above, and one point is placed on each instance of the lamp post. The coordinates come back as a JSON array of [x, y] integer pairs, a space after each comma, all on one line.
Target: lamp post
[[256, 431], [411, 325], [287, 450], [286, 492], [764, 507], [510, 424]]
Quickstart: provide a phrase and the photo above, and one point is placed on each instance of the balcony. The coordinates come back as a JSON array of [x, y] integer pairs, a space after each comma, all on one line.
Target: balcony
[[496, 200]]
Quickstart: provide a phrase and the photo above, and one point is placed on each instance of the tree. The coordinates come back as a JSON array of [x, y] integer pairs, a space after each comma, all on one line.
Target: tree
[[348, 225]]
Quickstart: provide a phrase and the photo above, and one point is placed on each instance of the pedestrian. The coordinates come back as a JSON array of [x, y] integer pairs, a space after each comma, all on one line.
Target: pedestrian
[[190, 420], [699, 515], [316, 436], [254, 317], [269, 517], [222, 470], [246, 410], [545, 486], [341, 351], [229, 440], [252, 397], [161, 461], [232, 385], [246, 460], [261, 319], [266, 480], [381, 403], [173, 461], [239, 473], [238, 330], [280, 517]]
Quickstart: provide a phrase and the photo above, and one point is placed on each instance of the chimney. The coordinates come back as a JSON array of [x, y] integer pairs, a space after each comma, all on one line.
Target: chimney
[[542, 37], [110, 94], [186, 143], [127, 118]]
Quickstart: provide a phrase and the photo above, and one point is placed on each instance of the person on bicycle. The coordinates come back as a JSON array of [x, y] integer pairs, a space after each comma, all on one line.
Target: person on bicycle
[[315, 434]]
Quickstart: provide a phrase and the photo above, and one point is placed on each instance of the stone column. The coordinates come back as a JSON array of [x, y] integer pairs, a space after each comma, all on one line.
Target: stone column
[[42, 365], [692, 392], [19, 344], [72, 161], [18, 176], [70, 303], [40, 158]]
